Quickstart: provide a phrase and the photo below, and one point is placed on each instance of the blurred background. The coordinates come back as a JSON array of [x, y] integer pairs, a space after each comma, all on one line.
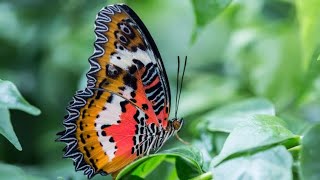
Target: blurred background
[[252, 49]]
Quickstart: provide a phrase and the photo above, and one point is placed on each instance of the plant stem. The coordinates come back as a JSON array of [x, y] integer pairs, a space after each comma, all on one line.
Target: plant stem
[[205, 176], [295, 152]]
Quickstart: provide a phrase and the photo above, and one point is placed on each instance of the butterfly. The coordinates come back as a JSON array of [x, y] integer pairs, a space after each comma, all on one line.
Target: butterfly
[[123, 112]]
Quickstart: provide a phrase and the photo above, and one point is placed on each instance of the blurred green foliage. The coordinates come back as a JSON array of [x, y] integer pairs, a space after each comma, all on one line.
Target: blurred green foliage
[[255, 57]]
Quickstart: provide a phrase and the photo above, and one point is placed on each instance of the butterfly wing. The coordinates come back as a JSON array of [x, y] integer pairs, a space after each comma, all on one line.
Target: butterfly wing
[[126, 103], [127, 55]]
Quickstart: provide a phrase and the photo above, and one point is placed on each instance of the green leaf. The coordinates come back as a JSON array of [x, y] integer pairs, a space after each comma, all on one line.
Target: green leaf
[[146, 167], [6, 128], [219, 140], [188, 153], [310, 159], [166, 170], [226, 118], [205, 11], [12, 99], [185, 169], [64, 170], [183, 157], [256, 134], [209, 145], [188, 162], [308, 15], [273, 163], [154, 158], [13, 172]]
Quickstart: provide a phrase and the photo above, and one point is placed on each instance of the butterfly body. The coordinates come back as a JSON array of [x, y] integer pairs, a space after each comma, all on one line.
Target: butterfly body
[[123, 112]]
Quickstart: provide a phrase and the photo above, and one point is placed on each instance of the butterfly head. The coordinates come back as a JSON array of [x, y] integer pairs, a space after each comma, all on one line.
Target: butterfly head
[[177, 124]]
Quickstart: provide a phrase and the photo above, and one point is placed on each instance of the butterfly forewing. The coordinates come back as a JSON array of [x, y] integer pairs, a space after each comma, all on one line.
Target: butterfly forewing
[[130, 63], [124, 109]]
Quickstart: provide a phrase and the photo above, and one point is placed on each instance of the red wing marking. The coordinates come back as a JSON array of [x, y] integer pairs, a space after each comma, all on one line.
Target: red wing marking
[[106, 131]]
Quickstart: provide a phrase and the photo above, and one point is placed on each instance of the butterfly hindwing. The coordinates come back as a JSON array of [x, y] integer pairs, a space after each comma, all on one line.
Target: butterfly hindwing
[[123, 112]]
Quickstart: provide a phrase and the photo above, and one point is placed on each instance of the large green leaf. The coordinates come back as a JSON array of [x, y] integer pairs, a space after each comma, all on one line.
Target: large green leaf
[[12, 99], [186, 157], [6, 128], [310, 158], [308, 15], [273, 163], [256, 134], [156, 159], [64, 170], [10, 172], [13, 172], [226, 118], [205, 11], [146, 167]]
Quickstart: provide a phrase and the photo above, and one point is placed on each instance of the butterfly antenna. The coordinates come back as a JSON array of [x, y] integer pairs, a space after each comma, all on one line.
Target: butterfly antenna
[[181, 82], [177, 90]]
